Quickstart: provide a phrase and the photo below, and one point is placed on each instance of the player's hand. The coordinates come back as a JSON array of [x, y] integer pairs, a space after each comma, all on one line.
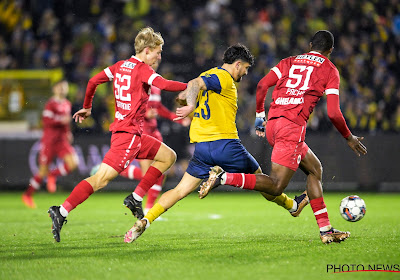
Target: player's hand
[[183, 112], [259, 124], [181, 98], [355, 144], [82, 114]]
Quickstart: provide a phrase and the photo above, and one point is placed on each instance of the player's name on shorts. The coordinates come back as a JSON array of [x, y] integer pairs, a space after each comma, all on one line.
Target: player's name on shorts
[[295, 92], [124, 106], [289, 100]]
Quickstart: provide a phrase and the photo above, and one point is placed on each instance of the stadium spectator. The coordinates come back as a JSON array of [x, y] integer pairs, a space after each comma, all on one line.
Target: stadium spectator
[[56, 142], [300, 81], [213, 98], [132, 79]]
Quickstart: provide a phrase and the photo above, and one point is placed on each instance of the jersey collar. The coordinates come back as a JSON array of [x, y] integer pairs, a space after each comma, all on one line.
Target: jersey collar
[[226, 71], [135, 57]]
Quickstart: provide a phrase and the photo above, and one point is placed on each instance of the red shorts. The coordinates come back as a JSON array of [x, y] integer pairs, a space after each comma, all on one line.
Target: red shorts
[[287, 140], [126, 147], [50, 150], [156, 134]]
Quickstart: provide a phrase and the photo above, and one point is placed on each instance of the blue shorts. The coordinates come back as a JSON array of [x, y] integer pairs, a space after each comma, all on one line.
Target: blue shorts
[[228, 153]]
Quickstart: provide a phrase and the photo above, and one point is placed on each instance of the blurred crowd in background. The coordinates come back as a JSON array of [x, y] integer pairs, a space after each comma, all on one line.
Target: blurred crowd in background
[[84, 37]]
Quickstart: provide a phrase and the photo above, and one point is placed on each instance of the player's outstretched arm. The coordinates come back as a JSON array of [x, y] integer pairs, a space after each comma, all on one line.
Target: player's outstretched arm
[[263, 85], [191, 92], [355, 144], [82, 114]]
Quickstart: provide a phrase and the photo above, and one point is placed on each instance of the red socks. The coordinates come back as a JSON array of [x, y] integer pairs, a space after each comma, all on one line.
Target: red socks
[[34, 185], [148, 180], [60, 170], [153, 193], [241, 180], [321, 214], [132, 172], [81, 192]]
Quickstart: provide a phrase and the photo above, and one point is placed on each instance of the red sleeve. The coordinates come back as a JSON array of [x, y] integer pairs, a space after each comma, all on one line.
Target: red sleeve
[[335, 114], [264, 84], [165, 113], [96, 80], [150, 77], [168, 85]]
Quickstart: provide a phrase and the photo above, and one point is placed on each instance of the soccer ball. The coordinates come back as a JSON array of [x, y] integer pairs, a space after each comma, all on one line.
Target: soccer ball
[[352, 208]]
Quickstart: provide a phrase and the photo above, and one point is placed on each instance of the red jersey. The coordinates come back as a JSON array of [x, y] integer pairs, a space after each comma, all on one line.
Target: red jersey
[[132, 81], [302, 80], [150, 125], [54, 112]]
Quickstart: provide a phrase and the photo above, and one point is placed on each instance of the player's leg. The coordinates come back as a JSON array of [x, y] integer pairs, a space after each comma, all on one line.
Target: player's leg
[[69, 164], [133, 172], [79, 194], [124, 148], [187, 185], [163, 158], [312, 167], [34, 185], [294, 206], [46, 156], [155, 190]]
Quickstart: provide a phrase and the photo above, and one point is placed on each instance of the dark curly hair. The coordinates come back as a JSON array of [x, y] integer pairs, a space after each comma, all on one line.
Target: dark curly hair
[[322, 40], [238, 52]]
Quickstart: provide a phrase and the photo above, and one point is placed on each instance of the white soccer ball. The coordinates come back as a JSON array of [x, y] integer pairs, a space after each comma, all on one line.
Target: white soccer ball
[[352, 208]]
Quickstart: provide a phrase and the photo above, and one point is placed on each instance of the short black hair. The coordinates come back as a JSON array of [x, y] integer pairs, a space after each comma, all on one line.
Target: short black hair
[[322, 40], [238, 52]]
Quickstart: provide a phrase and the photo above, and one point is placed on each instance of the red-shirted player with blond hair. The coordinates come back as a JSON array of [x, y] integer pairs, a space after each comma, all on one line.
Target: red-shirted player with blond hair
[[132, 79], [300, 81], [154, 109], [56, 142]]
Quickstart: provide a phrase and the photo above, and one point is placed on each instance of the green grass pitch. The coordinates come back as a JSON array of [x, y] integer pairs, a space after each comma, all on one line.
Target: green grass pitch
[[224, 236]]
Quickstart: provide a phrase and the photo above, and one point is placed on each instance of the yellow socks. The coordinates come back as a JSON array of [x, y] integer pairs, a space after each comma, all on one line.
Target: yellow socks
[[282, 200], [154, 212]]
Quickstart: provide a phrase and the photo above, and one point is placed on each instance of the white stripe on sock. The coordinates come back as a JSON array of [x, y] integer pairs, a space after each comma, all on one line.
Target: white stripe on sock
[[242, 180], [137, 197], [63, 211], [156, 188], [34, 183], [320, 211]]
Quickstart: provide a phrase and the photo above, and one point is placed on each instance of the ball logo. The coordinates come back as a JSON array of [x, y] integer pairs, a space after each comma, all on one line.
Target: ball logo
[[126, 164]]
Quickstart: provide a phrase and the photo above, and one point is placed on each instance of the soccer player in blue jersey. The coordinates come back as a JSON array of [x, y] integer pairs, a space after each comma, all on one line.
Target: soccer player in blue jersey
[[213, 98]]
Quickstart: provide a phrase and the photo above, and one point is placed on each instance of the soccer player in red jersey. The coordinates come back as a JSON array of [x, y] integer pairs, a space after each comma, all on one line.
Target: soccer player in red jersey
[[154, 109], [56, 142], [300, 81], [132, 79]]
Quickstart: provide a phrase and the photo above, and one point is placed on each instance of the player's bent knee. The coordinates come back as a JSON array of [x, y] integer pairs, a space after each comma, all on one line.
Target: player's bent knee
[[171, 158]]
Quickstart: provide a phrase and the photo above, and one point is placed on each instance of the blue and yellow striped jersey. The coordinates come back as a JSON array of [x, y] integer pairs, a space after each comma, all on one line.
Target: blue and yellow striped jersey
[[215, 114]]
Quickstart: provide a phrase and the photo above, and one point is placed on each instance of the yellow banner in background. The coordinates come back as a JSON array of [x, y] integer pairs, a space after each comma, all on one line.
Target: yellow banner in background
[[53, 75]]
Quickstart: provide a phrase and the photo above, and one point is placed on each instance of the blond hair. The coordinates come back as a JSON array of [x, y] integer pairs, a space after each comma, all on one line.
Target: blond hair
[[147, 38]]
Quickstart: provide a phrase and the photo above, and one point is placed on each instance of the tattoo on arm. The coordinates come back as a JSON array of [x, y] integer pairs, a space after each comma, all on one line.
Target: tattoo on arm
[[192, 92]]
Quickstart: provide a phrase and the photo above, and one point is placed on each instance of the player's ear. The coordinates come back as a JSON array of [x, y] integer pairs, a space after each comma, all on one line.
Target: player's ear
[[237, 64]]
